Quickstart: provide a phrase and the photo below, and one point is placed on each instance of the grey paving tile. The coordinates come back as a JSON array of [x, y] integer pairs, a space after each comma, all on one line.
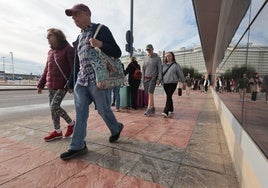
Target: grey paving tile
[[189, 177], [119, 160], [204, 160], [95, 152], [165, 152], [204, 146], [133, 145], [155, 170]]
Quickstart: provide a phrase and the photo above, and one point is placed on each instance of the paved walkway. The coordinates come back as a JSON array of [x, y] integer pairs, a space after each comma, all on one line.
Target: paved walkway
[[185, 150]]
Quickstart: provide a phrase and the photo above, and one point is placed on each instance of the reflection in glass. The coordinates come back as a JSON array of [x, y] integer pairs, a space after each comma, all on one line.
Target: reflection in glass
[[243, 75]]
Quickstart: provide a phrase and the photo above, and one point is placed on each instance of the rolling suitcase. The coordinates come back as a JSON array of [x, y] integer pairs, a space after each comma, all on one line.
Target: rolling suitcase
[[125, 97], [140, 100]]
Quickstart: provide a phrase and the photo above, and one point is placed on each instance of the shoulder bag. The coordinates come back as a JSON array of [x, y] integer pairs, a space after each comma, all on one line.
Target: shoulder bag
[[65, 86], [167, 69], [108, 70]]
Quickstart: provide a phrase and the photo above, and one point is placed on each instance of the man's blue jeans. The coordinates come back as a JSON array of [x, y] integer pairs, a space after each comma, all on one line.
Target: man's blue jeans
[[83, 97]]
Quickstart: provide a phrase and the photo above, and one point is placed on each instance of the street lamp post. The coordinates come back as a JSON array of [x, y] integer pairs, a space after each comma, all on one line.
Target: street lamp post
[[4, 64], [4, 74], [11, 55]]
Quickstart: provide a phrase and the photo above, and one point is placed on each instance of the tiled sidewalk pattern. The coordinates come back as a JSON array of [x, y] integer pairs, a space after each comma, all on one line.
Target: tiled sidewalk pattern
[[186, 150]]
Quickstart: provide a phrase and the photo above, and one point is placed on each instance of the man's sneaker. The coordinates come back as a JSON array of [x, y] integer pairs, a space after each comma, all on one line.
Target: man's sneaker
[[70, 130], [52, 136], [149, 112], [153, 109], [164, 114], [115, 137], [73, 153]]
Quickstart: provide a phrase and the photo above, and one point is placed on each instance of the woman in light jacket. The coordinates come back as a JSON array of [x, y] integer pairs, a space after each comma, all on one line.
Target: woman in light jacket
[[172, 74]]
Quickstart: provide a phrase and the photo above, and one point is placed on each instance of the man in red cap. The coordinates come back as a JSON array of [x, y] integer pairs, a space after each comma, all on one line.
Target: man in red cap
[[84, 82]]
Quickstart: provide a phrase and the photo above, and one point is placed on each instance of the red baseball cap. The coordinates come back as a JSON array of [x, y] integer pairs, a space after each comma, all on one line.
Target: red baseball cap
[[76, 8]]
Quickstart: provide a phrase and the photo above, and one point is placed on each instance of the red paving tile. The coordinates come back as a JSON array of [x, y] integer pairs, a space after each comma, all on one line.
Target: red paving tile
[[174, 131], [94, 176], [27, 162]]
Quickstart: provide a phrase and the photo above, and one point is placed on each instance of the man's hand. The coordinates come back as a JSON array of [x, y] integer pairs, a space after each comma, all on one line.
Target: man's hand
[[95, 43]]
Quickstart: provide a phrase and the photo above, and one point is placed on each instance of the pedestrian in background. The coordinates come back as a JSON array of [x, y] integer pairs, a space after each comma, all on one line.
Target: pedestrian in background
[[56, 73], [265, 87], [85, 89], [134, 83], [115, 97], [151, 75], [189, 83], [242, 86], [172, 74], [206, 83], [201, 84], [255, 84]]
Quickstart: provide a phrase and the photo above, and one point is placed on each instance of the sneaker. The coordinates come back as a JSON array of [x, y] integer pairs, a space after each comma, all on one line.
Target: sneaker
[[145, 113], [149, 112], [115, 137], [73, 153], [164, 114], [118, 110], [153, 109], [53, 136], [70, 130]]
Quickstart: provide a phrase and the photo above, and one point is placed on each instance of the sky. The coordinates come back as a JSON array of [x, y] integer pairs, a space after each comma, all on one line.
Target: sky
[[167, 24]]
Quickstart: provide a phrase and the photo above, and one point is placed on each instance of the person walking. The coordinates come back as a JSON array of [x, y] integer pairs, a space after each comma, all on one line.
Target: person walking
[[151, 75], [55, 75], [255, 84], [134, 82], [265, 87], [115, 97], [84, 81], [172, 74], [189, 83], [242, 86], [206, 83]]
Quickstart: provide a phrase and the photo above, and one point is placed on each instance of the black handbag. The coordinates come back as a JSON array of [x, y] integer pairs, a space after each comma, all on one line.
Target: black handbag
[[179, 91]]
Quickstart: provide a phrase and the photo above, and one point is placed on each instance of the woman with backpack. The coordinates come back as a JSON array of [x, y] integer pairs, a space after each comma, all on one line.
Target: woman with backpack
[[134, 80]]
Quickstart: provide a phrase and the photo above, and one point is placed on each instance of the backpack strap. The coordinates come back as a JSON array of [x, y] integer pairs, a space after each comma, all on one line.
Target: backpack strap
[[167, 69]]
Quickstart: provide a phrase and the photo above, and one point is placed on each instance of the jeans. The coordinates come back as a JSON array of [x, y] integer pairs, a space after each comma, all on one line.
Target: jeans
[[83, 97], [116, 93]]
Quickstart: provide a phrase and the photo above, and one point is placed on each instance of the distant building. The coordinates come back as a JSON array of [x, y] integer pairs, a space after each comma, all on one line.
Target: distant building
[[254, 56], [193, 57]]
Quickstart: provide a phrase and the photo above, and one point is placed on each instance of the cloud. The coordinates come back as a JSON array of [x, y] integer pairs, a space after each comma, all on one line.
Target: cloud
[[167, 24]]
